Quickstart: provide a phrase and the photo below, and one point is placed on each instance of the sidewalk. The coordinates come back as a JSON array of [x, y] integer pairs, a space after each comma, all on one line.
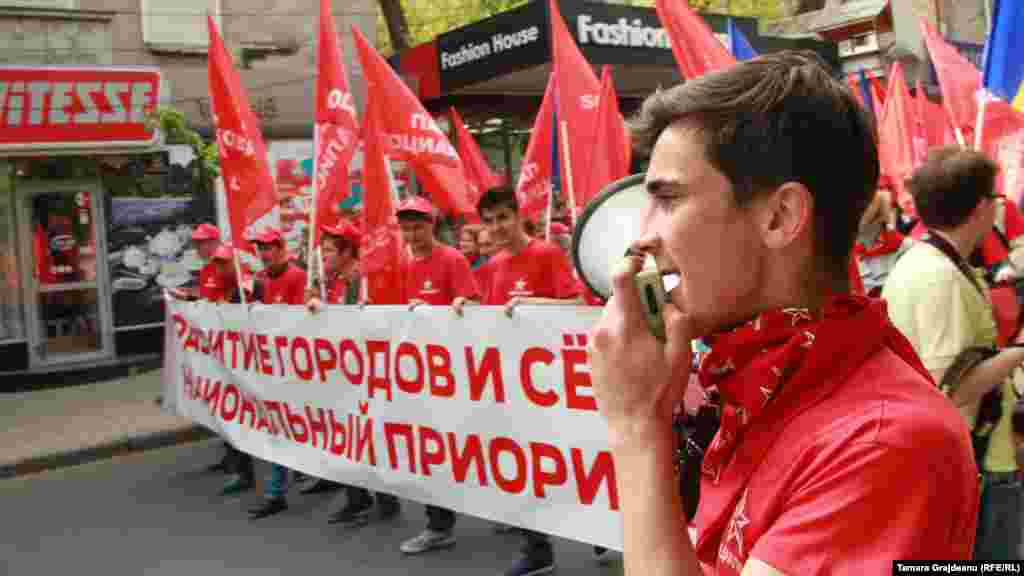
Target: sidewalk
[[48, 429]]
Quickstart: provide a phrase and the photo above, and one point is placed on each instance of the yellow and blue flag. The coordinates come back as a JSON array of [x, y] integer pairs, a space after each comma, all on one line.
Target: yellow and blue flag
[[1004, 52]]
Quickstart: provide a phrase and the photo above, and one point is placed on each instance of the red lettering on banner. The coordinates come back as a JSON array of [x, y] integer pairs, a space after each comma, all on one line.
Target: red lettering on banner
[[574, 380], [192, 342], [531, 357], [589, 483], [430, 456], [351, 436], [296, 424], [488, 370], [539, 452], [412, 385], [230, 392], [304, 373], [317, 425], [377, 349], [263, 345], [281, 343], [347, 348], [204, 341], [249, 351], [324, 365], [364, 440], [249, 407], [233, 338], [274, 407], [472, 453], [217, 347], [186, 375], [211, 395], [440, 363], [264, 423], [180, 325], [391, 430], [516, 483], [337, 430]]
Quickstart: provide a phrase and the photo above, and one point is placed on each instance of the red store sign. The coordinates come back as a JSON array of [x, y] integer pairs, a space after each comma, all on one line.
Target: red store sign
[[74, 107]]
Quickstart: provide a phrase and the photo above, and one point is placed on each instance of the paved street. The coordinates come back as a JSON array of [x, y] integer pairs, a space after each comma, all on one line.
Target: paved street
[[158, 513]]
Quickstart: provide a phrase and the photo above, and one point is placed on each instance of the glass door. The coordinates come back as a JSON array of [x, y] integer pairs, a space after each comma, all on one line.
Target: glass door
[[68, 306]]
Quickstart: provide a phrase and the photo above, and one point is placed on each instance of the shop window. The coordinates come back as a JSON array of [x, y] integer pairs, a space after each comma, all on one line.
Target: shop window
[[12, 325]]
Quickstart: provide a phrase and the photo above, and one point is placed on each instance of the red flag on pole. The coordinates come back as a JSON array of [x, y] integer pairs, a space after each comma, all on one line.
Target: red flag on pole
[[479, 175], [695, 47], [534, 187], [1003, 141], [336, 127], [578, 91], [410, 133], [921, 143], [959, 79], [381, 253], [243, 156], [896, 137], [611, 148]]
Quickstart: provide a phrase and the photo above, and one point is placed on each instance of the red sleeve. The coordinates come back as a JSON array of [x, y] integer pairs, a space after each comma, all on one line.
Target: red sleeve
[[566, 286], [297, 292], [465, 284], [1014, 220], [856, 510]]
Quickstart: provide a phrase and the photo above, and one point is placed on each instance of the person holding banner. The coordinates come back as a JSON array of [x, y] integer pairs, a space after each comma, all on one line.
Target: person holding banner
[[434, 274], [526, 271], [282, 283], [206, 238], [835, 453]]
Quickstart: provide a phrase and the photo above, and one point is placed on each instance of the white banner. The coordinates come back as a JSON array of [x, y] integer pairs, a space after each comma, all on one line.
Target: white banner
[[486, 415]]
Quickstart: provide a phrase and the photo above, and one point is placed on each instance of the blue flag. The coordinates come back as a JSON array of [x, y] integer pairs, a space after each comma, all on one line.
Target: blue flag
[[1004, 52], [738, 43]]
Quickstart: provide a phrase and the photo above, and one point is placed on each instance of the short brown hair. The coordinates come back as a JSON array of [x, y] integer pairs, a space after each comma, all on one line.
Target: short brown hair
[[774, 119], [950, 185]]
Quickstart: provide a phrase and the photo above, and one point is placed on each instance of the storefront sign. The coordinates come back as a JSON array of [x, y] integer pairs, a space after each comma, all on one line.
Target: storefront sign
[[71, 108], [622, 32]]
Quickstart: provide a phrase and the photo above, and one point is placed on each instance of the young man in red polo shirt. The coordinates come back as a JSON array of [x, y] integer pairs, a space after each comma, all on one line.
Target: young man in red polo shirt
[[435, 275], [282, 283], [206, 238], [526, 270], [835, 453]]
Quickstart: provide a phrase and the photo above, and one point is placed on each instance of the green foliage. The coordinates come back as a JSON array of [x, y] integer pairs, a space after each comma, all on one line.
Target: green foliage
[[172, 123]]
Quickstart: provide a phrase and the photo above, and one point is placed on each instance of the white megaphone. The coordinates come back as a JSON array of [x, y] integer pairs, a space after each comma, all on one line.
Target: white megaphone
[[605, 230]]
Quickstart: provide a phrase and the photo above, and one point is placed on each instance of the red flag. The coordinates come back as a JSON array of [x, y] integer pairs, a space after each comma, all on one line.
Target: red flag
[[921, 143], [854, 85], [1003, 141], [877, 90], [534, 187], [381, 253], [896, 137], [959, 79], [695, 47], [243, 155], [479, 175], [578, 91], [611, 147], [410, 133], [336, 126]]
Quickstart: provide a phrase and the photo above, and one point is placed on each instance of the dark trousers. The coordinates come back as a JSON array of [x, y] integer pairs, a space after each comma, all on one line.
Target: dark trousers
[[537, 546], [440, 519], [361, 497], [239, 462], [999, 519]]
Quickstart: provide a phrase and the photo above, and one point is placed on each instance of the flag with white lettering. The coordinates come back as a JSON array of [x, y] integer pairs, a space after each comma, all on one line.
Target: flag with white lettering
[[896, 137], [410, 133], [1003, 140], [336, 126], [612, 147], [695, 47], [248, 184], [479, 175], [381, 252], [534, 187], [577, 93]]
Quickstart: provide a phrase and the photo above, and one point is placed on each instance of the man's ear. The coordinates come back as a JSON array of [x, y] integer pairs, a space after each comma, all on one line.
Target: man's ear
[[785, 214]]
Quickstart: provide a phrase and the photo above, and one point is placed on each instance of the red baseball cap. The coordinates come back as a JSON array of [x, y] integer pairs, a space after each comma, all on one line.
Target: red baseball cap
[[344, 230], [268, 236], [206, 232], [224, 252], [417, 204]]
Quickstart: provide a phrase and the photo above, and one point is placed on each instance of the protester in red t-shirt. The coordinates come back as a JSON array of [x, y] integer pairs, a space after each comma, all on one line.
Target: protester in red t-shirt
[[827, 414], [526, 271], [206, 238], [437, 275], [282, 283], [340, 249]]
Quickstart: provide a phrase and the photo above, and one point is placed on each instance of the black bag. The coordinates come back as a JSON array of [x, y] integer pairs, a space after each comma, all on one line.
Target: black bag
[[694, 437]]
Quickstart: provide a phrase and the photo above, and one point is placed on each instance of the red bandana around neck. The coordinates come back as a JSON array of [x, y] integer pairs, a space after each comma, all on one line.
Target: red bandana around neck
[[888, 241], [774, 367]]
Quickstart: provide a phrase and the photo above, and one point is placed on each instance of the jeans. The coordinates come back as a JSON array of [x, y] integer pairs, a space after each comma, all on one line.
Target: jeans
[[440, 519], [537, 546], [278, 485], [999, 519]]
